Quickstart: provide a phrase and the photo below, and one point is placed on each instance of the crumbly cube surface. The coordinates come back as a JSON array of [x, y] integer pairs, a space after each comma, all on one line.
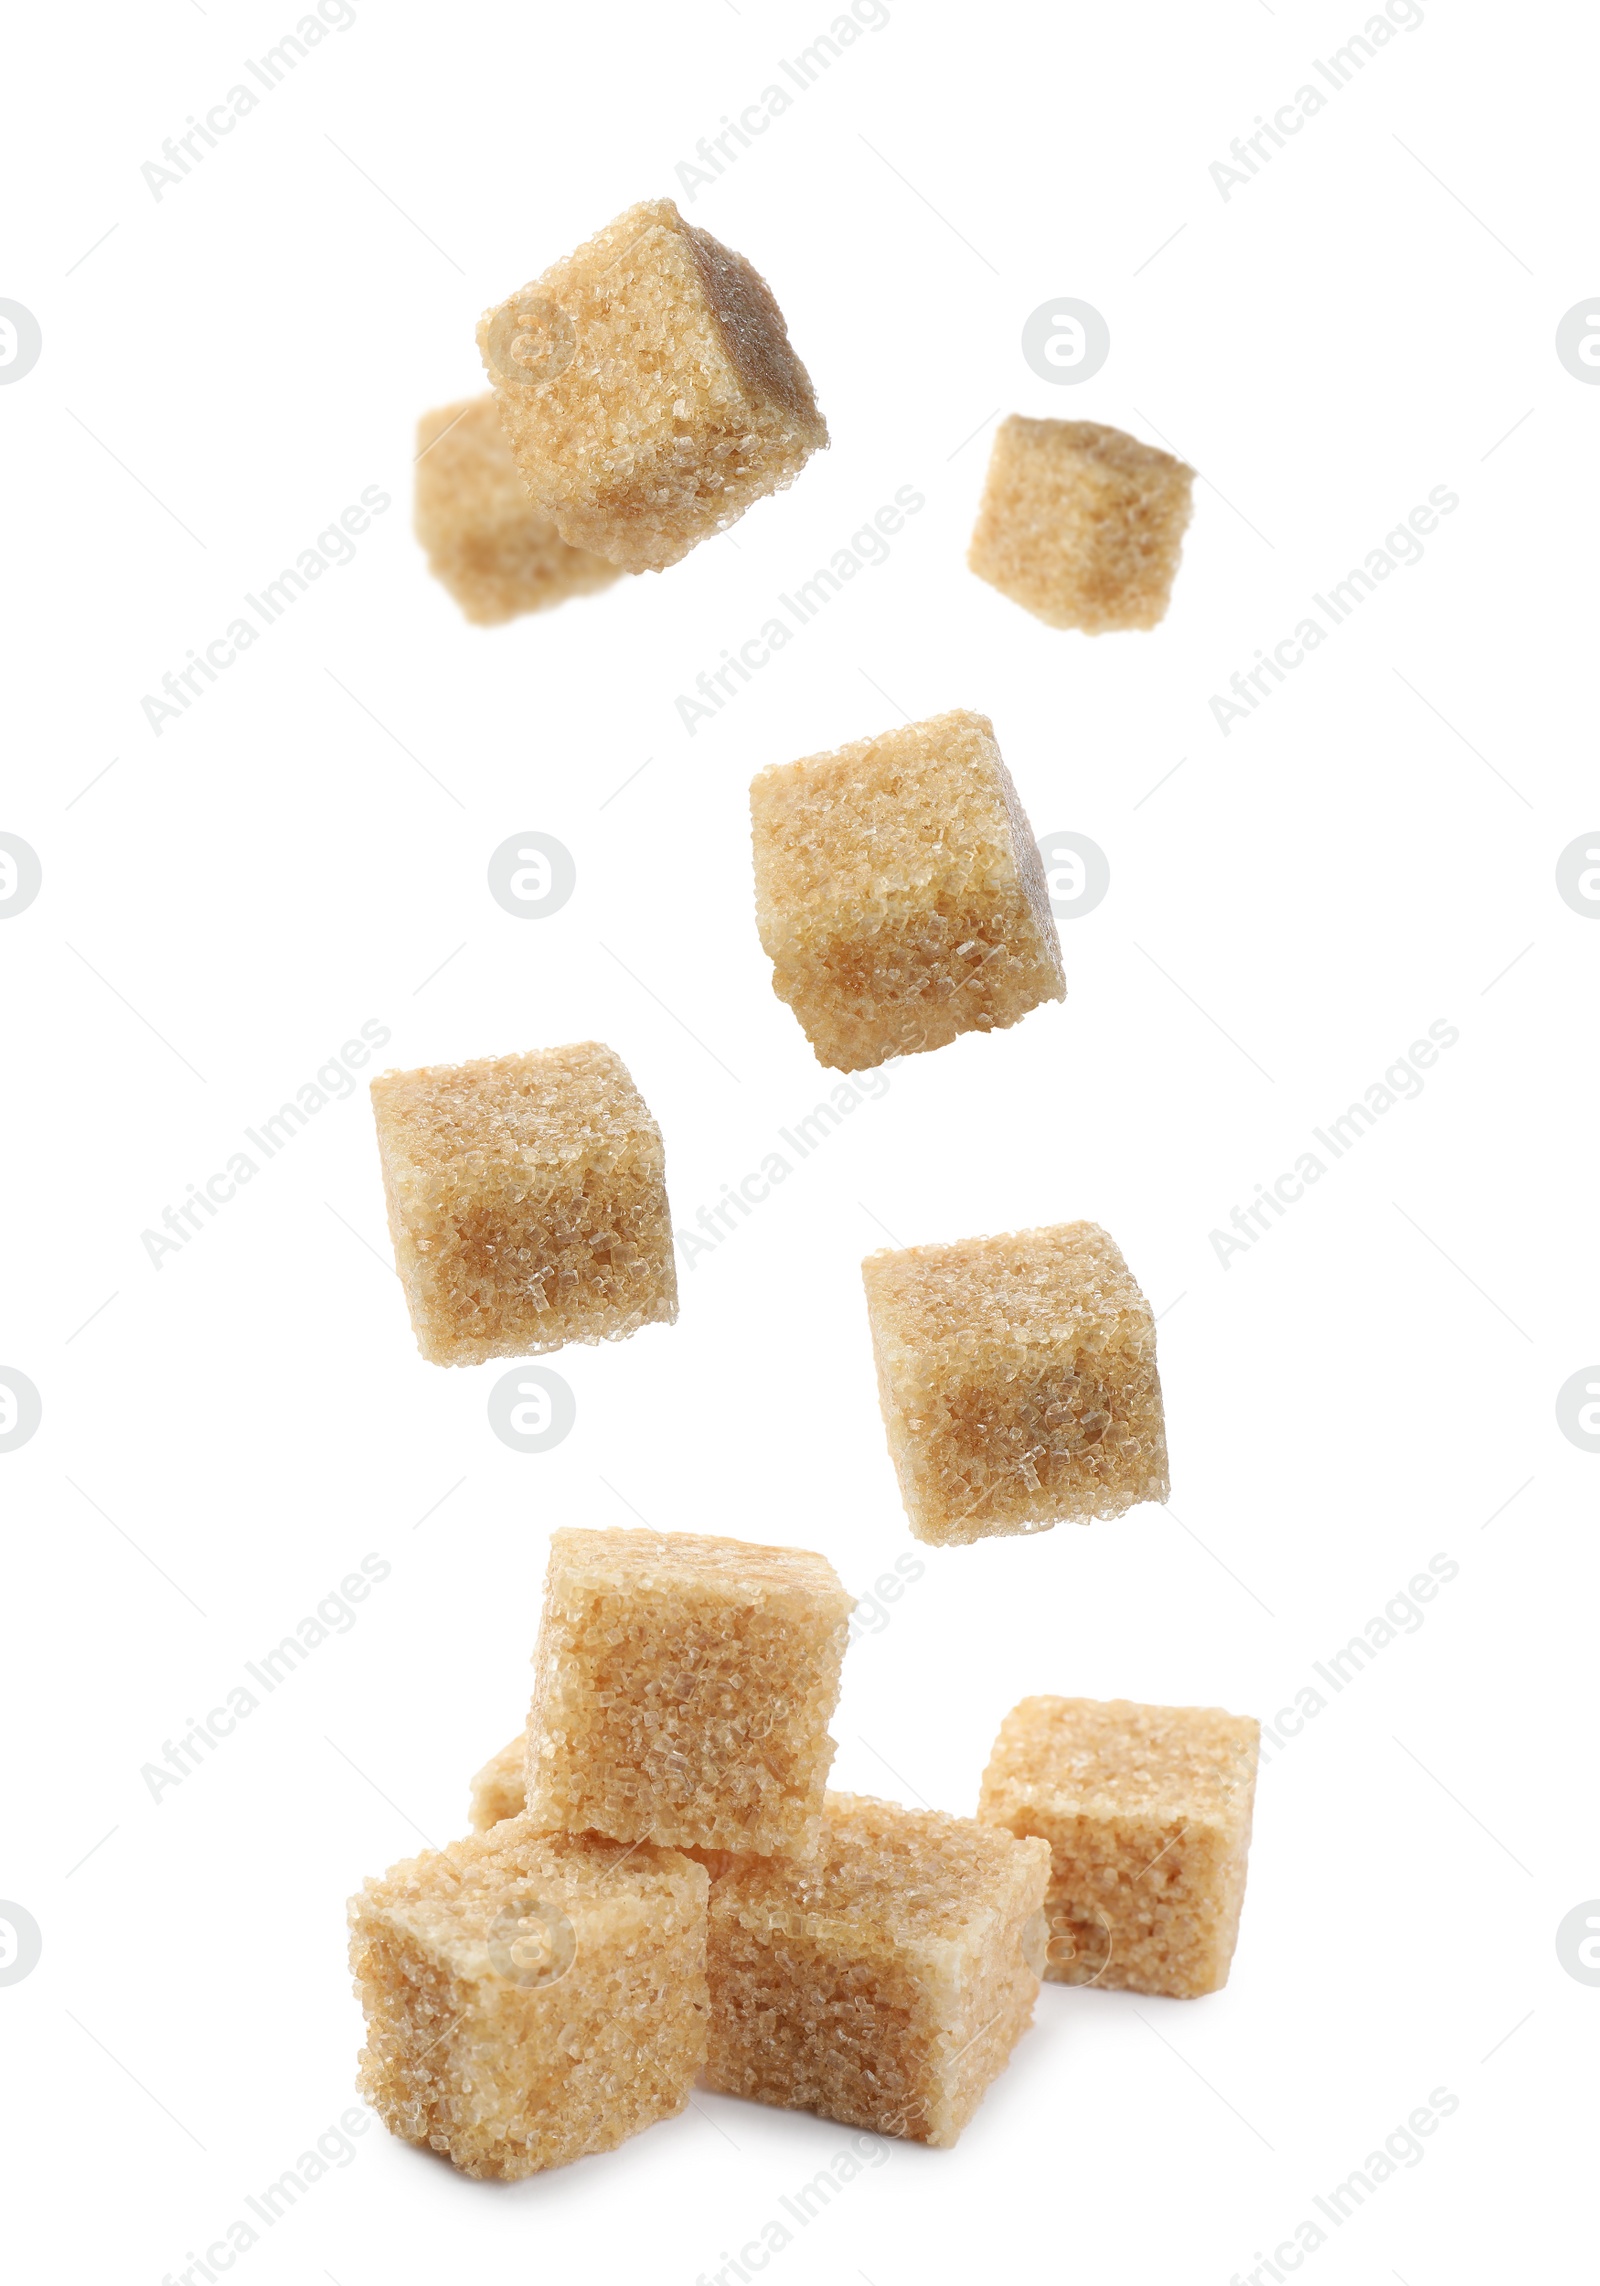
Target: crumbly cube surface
[[851, 1982], [1080, 524], [884, 1983], [527, 1203], [648, 389], [530, 1997], [500, 1788], [486, 542], [1147, 1812], [1017, 1379], [900, 895], [682, 1690]]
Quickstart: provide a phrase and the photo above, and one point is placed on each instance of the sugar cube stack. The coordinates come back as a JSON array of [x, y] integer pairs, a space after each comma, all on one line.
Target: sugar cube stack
[[542, 1988], [683, 1688], [648, 389], [1017, 1380], [527, 1203], [882, 1981], [530, 1997], [900, 895], [1081, 524], [1147, 1811], [487, 544]]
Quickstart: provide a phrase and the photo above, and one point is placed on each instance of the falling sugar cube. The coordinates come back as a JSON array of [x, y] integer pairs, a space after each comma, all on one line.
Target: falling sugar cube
[[527, 1203], [487, 544], [1017, 1379], [648, 388], [900, 895], [1080, 524]]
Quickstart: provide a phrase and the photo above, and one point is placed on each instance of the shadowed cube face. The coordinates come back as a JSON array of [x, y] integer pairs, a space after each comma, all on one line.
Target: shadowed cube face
[[648, 389]]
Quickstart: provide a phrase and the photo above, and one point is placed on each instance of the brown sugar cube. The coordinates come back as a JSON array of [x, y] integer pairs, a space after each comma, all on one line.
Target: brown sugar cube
[[1147, 1813], [527, 1203], [883, 1983], [1017, 1378], [1082, 525], [800, 1948], [530, 1997], [683, 1688], [500, 1788], [648, 388], [900, 895], [486, 542]]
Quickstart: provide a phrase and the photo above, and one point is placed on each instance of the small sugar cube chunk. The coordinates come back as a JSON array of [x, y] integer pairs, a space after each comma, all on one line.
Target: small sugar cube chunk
[[486, 542], [1017, 1378], [683, 1688], [527, 1203], [883, 1983], [1147, 1813], [1081, 524], [648, 388], [530, 1997], [500, 1789], [900, 895]]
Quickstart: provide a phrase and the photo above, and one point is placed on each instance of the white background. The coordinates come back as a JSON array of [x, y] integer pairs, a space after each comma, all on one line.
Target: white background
[[1370, 1385]]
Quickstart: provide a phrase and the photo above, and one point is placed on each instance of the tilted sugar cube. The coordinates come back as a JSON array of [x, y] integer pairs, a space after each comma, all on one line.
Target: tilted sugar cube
[[649, 390], [487, 544], [900, 894], [1081, 524]]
